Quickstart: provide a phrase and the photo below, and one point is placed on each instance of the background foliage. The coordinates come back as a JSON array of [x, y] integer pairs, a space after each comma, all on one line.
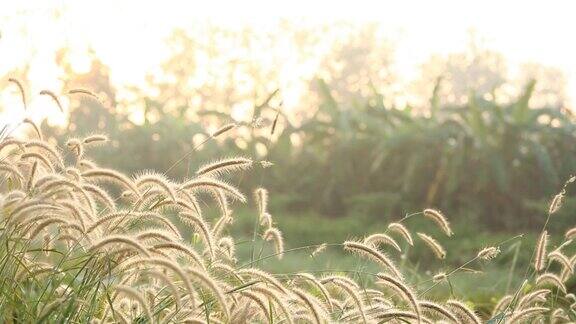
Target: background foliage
[[500, 163]]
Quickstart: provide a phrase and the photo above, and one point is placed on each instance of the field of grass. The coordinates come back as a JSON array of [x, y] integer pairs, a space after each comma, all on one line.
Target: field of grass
[[489, 281], [80, 242]]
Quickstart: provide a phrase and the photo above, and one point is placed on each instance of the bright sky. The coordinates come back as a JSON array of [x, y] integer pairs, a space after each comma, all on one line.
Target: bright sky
[[128, 35]]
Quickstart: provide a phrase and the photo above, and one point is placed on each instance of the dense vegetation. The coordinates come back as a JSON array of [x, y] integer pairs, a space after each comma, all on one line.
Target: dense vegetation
[[82, 242], [499, 163]]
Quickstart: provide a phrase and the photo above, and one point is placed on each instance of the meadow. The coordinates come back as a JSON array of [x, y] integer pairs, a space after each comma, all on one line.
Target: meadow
[[87, 236]]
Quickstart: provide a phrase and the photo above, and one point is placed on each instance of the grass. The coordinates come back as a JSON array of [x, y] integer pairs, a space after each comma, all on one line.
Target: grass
[[309, 228], [84, 243]]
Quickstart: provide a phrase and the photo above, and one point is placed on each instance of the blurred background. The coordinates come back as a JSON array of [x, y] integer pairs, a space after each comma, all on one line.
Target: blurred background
[[383, 108]]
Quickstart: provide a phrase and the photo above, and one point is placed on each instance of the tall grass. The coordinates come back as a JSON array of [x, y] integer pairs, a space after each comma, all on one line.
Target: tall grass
[[84, 243]]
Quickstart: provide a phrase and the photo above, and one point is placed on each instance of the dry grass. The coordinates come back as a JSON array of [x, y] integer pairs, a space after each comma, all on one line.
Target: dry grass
[[70, 251]]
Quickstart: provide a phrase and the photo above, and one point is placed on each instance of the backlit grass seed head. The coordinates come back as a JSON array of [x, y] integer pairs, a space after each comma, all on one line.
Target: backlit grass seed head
[[540, 256], [379, 238], [488, 253], [12, 170], [551, 279], [121, 240], [562, 259], [318, 285], [436, 248], [9, 142], [263, 305], [158, 180], [117, 219], [402, 230], [220, 199], [61, 184], [30, 182], [352, 291], [182, 248], [178, 206], [372, 254], [54, 97], [75, 145], [556, 203], [164, 264], [21, 90], [114, 176], [136, 295], [224, 166], [527, 313], [211, 284], [155, 234], [439, 219], [559, 315], [273, 295], [405, 292], [312, 303], [46, 148], [266, 220], [227, 244], [87, 164], [254, 273], [41, 226], [533, 297], [319, 249], [274, 235], [205, 183], [275, 122], [440, 277], [223, 129], [571, 297], [28, 208], [261, 196], [38, 157], [221, 224], [266, 164], [74, 174], [466, 314], [34, 126], [85, 92], [95, 139], [438, 309], [570, 234], [192, 200], [100, 195]]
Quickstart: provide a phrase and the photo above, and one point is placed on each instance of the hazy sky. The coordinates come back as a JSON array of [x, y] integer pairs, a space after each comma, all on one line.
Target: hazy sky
[[124, 33]]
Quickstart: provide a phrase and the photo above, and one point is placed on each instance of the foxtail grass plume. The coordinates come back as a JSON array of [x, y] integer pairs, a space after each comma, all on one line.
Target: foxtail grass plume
[[54, 97], [439, 219], [21, 90], [223, 129], [438, 250], [540, 254], [488, 253], [402, 230]]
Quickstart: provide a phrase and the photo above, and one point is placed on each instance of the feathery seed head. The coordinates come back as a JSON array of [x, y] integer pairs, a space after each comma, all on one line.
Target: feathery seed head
[[439, 219], [438, 250], [488, 253]]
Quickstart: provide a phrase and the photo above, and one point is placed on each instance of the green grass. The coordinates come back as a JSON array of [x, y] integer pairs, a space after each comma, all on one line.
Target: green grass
[[491, 279]]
